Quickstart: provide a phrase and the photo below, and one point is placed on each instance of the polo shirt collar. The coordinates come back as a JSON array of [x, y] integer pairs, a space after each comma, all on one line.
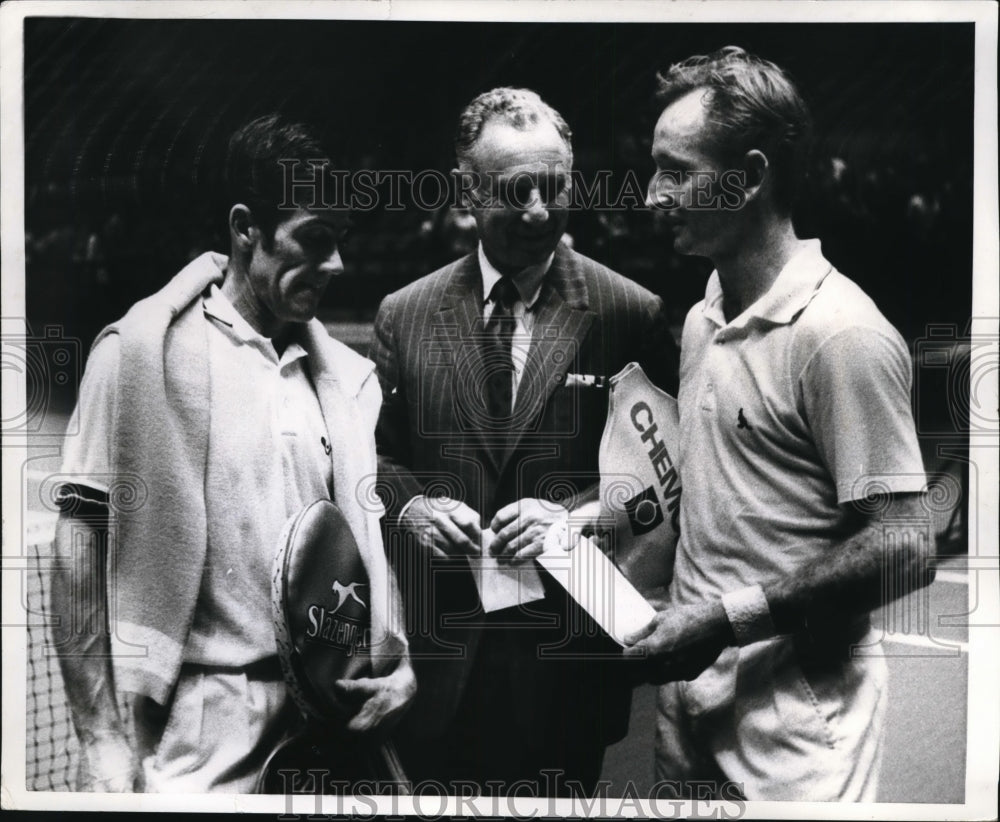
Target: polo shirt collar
[[528, 281], [235, 326], [792, 291]]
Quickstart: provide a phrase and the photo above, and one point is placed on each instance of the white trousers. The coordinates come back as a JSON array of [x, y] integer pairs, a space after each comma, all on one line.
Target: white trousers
[[784, 723], [218, 733]]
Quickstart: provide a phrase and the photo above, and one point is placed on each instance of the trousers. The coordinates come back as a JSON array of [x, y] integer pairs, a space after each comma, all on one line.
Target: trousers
[[216, 733], [784, 720]]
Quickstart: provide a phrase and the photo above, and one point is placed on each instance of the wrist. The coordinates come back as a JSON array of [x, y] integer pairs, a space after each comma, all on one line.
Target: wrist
[[749, 615], [405, 680]]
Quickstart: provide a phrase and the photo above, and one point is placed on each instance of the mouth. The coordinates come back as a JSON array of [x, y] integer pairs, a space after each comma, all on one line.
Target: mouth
[[312, 293], [537, 239], [317, 282]]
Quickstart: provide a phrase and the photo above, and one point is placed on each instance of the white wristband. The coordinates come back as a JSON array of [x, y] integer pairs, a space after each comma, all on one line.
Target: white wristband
[[749, 615]]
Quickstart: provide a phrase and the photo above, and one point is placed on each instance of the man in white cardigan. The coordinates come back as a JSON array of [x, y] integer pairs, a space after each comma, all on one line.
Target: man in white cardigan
[[209, 414]]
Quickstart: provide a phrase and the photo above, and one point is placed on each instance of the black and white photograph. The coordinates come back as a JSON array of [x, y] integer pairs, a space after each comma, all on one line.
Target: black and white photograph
[[532, 409]]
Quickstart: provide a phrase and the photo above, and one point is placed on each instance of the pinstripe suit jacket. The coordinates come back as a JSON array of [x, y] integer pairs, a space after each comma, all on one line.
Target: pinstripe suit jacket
[[433, 437]]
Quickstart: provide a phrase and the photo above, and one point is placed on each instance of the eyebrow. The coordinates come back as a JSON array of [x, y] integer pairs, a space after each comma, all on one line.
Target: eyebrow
[[314, 221], [671, 160], [540, 174]]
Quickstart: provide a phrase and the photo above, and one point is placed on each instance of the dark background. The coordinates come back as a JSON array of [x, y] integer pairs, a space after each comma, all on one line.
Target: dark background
[[126, 123]]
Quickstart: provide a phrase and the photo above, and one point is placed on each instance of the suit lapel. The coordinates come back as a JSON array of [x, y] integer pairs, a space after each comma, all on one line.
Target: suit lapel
[[562, 321], [461, 302]]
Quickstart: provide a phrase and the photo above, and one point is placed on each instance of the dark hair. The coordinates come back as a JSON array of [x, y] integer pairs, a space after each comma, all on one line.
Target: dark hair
[[752, 103], [253, 175], [518, 107]]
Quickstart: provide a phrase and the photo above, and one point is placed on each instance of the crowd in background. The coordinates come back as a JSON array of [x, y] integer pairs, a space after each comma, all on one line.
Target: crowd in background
[[881, 224]]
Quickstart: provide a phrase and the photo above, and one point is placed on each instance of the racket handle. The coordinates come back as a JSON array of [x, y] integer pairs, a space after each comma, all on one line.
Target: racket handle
[[391, 759]]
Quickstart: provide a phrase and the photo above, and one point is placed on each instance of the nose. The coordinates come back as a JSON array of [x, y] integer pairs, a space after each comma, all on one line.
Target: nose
[[333, 265], [536, 211], [663, 192]]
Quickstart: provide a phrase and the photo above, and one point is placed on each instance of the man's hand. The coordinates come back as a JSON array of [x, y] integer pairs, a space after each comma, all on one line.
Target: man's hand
[[108, 764], [682, 641], [520, 528], [447, 526], [379, 701]]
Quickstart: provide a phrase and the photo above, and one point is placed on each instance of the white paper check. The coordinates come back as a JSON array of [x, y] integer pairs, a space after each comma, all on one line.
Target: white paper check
[[504, 586], [595, 583]]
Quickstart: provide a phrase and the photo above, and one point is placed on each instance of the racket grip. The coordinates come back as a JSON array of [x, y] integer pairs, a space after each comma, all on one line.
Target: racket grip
[[391, 759]]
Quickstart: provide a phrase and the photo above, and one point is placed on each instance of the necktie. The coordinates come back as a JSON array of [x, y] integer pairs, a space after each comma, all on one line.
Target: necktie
[[498, 365]]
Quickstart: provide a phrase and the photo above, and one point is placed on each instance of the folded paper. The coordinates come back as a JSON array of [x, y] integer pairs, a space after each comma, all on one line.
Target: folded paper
[[504, 585]]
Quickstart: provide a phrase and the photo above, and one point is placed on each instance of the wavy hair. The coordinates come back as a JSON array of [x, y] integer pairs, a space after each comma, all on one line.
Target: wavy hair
[[253, 176], [519, 107], [752, 104]]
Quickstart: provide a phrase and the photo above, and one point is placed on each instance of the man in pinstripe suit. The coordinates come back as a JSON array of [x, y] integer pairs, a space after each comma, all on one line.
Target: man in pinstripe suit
[[493, 372]]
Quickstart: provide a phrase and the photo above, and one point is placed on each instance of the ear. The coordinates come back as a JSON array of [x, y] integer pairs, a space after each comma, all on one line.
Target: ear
[[243, 232], [757, 170]]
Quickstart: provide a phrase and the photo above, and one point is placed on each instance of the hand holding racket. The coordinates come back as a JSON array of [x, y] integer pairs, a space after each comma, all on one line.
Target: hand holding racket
[[321, 600]]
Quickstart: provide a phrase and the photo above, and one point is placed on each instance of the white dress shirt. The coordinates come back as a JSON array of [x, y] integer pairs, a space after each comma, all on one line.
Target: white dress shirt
[[528, 282]]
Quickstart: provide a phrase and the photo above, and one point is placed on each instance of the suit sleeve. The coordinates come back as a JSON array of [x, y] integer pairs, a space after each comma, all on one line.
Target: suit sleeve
[[658, 353], [396, 485]]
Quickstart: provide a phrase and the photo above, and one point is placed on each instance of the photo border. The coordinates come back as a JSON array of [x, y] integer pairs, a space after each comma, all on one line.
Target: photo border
[[983, 732]]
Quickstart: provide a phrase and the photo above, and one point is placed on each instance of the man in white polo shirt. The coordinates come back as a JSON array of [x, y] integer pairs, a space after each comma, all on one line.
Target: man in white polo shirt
[[799, 459], [213, 411]]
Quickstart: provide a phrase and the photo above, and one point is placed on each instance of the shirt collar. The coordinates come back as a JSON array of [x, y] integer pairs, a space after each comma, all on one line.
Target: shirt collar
[[237, 328], [792, 290], [528, 281]]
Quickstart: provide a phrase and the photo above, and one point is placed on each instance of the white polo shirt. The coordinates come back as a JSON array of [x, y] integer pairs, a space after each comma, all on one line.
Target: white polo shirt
[[272, 445], [786, 413]]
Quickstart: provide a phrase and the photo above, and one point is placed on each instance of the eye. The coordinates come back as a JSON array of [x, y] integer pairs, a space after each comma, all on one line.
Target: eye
[[317, 241], [672, 176], [517, 192], [662, 191], [551, 188]]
